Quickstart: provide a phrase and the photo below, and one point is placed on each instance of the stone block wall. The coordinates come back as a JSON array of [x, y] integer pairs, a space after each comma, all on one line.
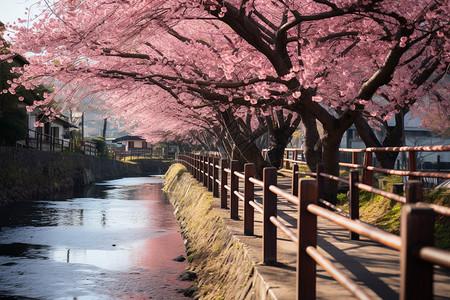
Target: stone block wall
[[27, 174]]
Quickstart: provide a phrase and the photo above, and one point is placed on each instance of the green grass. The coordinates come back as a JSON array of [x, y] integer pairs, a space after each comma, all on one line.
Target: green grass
[[385, 214]]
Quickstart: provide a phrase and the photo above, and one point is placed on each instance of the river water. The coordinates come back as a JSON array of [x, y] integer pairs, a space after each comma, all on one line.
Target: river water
[[117, 241]]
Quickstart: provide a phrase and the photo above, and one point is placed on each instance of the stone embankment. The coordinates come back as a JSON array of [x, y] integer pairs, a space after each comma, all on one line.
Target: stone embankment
[[221, 262], [32, 175]]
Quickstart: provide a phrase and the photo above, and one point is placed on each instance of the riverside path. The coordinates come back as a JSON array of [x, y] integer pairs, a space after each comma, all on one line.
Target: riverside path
[[374, 267]]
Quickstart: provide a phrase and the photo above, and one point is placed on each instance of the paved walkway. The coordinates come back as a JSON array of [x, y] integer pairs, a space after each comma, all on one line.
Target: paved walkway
[[373, 266]]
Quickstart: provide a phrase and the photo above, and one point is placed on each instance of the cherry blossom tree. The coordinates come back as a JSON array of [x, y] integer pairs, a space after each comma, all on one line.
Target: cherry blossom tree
[[333, 62]]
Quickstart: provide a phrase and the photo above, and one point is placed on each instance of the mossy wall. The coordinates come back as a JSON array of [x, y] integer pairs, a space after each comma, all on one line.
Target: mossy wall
[[223, 267], [38, 175]]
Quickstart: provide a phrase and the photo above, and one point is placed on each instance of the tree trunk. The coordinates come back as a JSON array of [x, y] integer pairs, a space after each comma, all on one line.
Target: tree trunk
[[312, 148], [280, 136], [393, 138], [247, 149], [330, 150]]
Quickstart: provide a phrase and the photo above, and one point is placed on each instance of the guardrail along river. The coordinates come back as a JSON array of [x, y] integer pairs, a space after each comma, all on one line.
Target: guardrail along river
[[117, 242]]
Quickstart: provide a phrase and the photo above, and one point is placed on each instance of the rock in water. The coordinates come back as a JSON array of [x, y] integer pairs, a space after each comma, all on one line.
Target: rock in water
[[179, 258], [187, 276]]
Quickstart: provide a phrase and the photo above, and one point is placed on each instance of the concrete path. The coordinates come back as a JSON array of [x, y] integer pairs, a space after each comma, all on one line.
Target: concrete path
[[373, 266]]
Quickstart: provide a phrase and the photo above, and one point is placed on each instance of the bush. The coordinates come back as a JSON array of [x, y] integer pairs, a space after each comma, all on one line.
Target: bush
[[100, 145]]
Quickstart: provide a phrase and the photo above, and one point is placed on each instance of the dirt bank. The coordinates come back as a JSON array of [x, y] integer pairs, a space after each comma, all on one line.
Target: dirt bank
[[223, 267]]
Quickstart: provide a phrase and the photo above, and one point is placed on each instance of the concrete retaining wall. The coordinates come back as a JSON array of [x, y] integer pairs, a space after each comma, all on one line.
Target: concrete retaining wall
[[32, 175]]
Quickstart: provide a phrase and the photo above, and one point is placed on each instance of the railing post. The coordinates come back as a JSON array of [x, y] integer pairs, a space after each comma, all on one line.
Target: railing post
[[416, 230], [234, 185], [208, 178], [223, 183], [215, 177], [249, 195], [199, 163], [354, 200], [354, 158], [411, 163], [270, 210], [205, 171], [307, 236], [320, 182], [288, 164], [197, 168], [367, 176], [294, 183], [211, 173], [413, 192]]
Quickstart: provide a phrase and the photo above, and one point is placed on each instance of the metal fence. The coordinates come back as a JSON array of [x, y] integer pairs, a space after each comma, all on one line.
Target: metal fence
[[45, 142]]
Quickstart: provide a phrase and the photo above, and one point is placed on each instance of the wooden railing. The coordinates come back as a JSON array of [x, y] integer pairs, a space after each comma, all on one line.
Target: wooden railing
[[368, 169], [45, 142], [137, 153], [415, 243]]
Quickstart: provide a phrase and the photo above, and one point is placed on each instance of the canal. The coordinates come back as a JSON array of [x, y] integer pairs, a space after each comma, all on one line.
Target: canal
[[116, 241]]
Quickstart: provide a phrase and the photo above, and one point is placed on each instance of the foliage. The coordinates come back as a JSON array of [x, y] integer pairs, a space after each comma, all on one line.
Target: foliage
[[101, 146], [325, 55], [442, 225], [190, 64], [13, 127]]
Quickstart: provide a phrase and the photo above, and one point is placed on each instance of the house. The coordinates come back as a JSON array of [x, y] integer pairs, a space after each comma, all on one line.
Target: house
[[54, 134], [59, 128], [131, 143]]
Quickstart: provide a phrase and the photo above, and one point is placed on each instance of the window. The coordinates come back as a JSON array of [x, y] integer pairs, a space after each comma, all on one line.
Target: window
[[55, 132], [130, 145]]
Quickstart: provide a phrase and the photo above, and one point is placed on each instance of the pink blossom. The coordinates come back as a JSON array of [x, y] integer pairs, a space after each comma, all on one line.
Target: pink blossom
[[317, 98], [296, 94]]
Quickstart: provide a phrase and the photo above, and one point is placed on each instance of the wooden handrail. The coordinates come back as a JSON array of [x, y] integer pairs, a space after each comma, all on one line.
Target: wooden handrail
[[372, 232], [389, 195], [434, 255], [276, 221], [257, 182], [437, 148], [410, 173], [337, 274], [291, 198], [332, 177], [311, 211], [240, 175], [257, 206]]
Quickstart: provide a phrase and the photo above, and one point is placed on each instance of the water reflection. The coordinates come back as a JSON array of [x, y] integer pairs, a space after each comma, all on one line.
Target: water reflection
[[117, 241]]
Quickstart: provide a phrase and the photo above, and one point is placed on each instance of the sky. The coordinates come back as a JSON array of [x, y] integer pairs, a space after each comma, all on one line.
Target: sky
[[11, 10]]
